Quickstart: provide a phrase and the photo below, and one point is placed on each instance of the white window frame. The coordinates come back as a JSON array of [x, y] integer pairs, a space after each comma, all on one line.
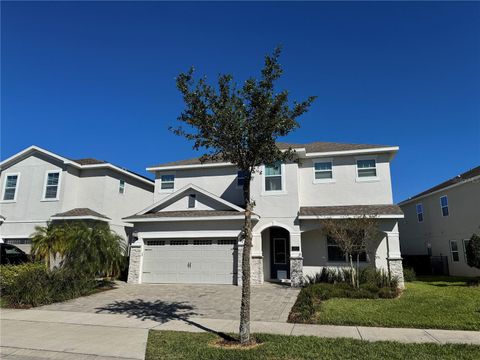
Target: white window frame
[[266, 192], [5, 185], [323, 181], [464, 241], [366, 178], [121, 186], [441, 206], [161, 182], [457, 251], [59, 172], [418, 213]]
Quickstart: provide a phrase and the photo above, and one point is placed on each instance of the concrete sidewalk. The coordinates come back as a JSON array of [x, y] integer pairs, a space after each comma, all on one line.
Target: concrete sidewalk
[[44, 334]]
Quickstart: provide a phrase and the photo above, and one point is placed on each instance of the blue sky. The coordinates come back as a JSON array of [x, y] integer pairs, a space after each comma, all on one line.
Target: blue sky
[[96, 79]]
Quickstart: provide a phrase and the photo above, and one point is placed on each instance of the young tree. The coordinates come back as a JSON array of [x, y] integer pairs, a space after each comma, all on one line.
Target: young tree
[[353, 236], [240, 125], [48, 242], [473, 251]]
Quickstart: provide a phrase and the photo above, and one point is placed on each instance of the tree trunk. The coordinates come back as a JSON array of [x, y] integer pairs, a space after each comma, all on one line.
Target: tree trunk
[[245, 303], [358, 270], [352, 269]]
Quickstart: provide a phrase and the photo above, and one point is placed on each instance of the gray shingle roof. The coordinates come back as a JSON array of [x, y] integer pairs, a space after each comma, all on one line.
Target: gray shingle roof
[[80, 212], [89, 161], [457, 179], [318, 146], [186, 213], [350, 210]]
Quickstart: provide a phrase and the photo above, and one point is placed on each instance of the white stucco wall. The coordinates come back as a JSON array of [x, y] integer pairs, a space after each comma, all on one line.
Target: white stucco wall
[[345, 188], [78, 188]]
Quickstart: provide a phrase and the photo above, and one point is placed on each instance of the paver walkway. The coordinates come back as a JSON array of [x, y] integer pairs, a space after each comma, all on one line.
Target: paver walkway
[[48, 334]]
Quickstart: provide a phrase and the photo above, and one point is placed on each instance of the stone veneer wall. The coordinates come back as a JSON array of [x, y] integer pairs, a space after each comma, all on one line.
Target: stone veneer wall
[[296, 271], [396, 271], [256, 270], [135, 264]]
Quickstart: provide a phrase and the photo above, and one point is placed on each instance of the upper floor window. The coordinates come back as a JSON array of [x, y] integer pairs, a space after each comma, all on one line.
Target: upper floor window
[[323, 170], [51, 185], [10, 187], [419, 212], [454, 250], [121, 187], [192, 199], [167, 182], [366, 168], [240, 178], [273, 177], [444, 205]]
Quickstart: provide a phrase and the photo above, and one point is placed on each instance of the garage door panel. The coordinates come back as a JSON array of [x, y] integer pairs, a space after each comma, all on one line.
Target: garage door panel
[[189, 261]]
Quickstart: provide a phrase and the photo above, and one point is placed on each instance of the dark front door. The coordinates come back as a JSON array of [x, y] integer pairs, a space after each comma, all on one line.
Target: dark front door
[[280, 253]]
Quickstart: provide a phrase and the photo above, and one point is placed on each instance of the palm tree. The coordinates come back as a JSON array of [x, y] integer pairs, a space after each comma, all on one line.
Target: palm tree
[[94, 250], [48, 241]]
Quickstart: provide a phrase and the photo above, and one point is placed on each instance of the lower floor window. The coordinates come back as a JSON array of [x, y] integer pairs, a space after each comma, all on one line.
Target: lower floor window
[[454, 250], [335, 253]]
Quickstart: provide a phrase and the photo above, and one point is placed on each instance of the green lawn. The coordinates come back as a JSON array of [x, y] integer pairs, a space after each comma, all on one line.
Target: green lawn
[[182, 345], [443, 303]]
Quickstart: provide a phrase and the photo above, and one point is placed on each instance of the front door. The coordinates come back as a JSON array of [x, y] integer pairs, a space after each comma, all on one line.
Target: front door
[[280, 253]]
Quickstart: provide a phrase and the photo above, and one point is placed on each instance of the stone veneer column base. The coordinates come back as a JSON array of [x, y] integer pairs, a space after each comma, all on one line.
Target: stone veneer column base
[[296, 271], [396, 271], [256, 270], [135, 264]]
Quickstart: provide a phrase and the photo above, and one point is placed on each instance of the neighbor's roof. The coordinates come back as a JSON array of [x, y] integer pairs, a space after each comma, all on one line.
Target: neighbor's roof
[[467, 175], [326, 212], [89, 161], [186, 213], [78, 213], [314, 147]]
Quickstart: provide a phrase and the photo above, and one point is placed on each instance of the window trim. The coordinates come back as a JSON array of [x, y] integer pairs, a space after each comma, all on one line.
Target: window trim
[[323, 181], [161, 182], [457, 251], [59, 172], [16, 188], [418, 213], [366, 178], [441, 206], [266, 192], [121, 188], [464, 241]]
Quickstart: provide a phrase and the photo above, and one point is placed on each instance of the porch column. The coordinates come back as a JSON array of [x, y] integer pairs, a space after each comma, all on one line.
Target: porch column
[[394, 257], [136, 262], [296, 260], [256, 261]]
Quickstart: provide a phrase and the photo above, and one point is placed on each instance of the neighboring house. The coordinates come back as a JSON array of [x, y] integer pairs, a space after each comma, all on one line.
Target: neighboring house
[[192, 232], [38, 186], [440, 221]]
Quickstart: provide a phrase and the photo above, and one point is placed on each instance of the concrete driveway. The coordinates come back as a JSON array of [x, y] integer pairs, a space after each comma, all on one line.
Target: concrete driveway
[[269, 302], [114, 324]]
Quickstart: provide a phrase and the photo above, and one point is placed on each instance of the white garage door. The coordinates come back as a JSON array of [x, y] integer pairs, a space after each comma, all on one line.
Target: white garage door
[[196, 261]]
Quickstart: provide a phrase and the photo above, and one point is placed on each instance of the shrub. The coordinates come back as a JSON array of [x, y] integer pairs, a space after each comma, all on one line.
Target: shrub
[[368, 275], [409, 274], [473, 251], [9, 273], [37, 285]]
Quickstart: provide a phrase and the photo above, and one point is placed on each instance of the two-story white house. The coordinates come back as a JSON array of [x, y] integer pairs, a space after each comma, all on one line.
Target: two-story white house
[[192, 232], [38, 186]]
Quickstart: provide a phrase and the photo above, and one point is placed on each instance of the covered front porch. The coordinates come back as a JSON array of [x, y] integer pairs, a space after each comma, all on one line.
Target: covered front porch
[[289, 253]]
